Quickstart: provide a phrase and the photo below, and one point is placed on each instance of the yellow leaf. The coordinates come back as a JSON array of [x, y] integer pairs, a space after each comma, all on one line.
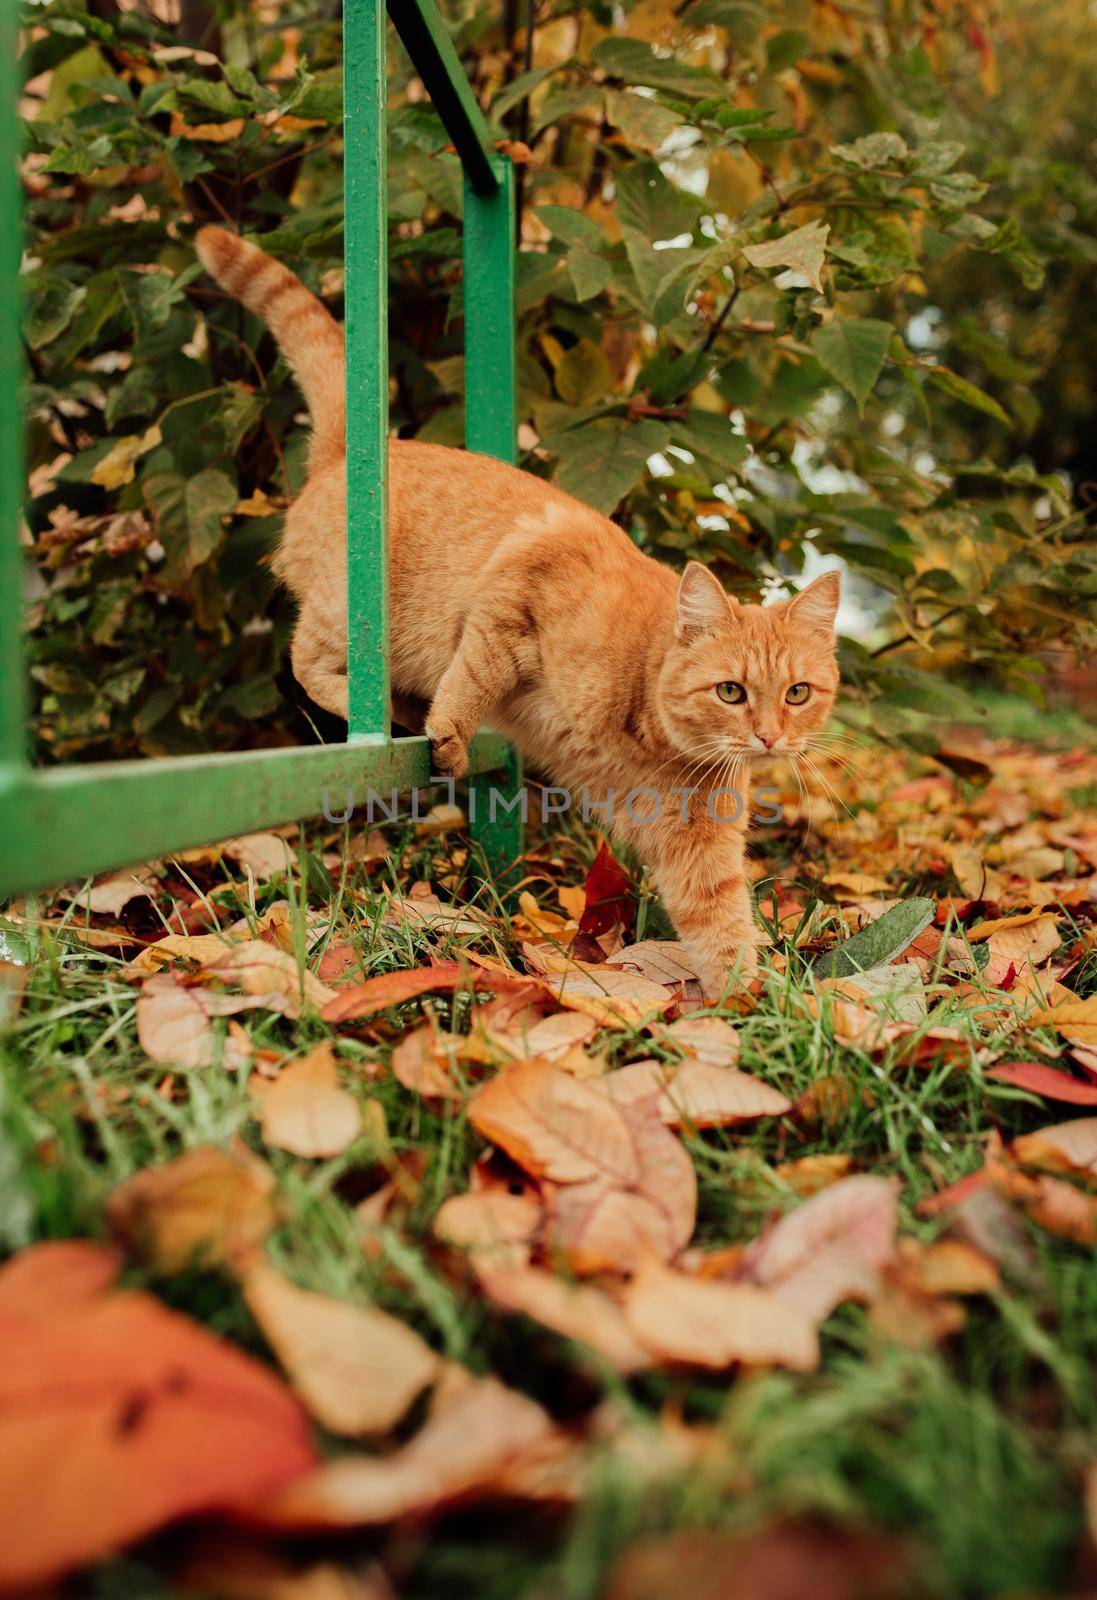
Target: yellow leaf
[[119, 466], [305, 1111]]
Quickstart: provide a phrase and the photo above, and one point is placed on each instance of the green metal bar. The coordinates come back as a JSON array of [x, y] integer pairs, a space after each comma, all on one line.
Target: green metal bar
[[12, 680], [435, 60], [365, 189], [71, 822], [491, 415]]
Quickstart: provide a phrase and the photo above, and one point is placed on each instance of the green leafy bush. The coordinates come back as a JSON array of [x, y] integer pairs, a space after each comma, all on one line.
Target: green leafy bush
[[780, 291]]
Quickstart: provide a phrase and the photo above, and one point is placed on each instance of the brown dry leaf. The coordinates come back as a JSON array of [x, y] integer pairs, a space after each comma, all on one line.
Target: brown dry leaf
[[614, 996], [949, 1266], [264, 970], [1075, 1019], [710, 1039], [559, 1038], [207, 132], [200, 947], [174, 1024], [704, 1096], [109, 895], [702, 1322], [305, 1111], [555, 1126], [355, 1368], [1029, 944], [1064, 1147], [56, 1274], [476, 1430], [118, 1416], [393, 988], [785, 1561], [1062, 1209], [662, 961], [422, 1062], [830, 1248], [496, 1228], [210, 1207], [13, 984], [608, 1227], [811, 1173], [572, 899], [262, 854], [576, 1311], [857, 884]]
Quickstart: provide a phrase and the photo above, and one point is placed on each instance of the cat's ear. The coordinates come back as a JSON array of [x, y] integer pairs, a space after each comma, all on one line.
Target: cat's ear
[[817, 606], [702, 603]]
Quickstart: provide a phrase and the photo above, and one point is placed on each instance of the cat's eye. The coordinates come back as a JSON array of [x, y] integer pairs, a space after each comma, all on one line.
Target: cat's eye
[[732, 694], [798, 694]]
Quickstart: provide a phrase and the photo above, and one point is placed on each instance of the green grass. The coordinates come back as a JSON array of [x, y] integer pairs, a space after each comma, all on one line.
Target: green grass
[[971, 1453]]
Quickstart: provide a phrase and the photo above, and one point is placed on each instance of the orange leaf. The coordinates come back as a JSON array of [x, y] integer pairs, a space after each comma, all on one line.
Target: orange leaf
[[576, 1311], [830, 1248], [209, 1207], [1046, 1081], [702, 1322], [57, 1274], [117, 1416], [393, 988], [306, 1112], [1065, 1147], [356, 1368], [555, 1126]]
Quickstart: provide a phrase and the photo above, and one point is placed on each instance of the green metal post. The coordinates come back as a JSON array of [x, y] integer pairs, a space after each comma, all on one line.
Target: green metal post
[[12, 681], [491, 411], [365, 188]]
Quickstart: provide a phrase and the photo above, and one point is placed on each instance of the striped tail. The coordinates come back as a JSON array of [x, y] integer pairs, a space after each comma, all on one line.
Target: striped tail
[[308, 334]]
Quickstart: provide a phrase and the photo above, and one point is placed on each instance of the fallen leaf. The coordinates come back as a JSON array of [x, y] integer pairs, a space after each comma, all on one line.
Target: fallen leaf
[[468, 1441], [555, 1126], [355, 1368], [209, 1207], [1064, 1147], [264, 855], [1076, 1020], [263, 969], [705, 1096], [207, 132], [702, 1322], [496, 1228], [949, 1266], [607, 1226], [1047, 1082], [830, 1248], [421, 1062], [56, 1274], [786, 1561], [607, 895], [306, 1112], [199, 947], [613, 995], [394, 988], [661, 961], [118, 1416], [579, 1312], [174, 1024], [108, 896], [236, 1568], [710, 1039]]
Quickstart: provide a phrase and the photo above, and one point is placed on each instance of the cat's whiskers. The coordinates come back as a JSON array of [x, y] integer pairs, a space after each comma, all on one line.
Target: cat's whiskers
[[825, 748], [831, 792]]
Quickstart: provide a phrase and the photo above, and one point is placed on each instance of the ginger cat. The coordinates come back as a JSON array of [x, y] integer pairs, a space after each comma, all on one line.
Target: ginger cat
[[512, 603]]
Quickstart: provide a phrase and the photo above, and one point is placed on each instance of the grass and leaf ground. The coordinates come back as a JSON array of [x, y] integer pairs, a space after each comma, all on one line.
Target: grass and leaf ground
[[436, 1244]]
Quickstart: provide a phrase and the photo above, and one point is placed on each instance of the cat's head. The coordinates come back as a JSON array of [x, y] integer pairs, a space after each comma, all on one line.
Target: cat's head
[[743, 678]]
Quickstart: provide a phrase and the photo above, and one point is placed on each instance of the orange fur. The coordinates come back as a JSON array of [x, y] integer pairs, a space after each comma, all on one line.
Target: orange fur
[[512, 603]]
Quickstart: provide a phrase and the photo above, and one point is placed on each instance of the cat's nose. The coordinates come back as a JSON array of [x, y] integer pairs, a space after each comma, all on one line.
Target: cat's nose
[[769, 739]]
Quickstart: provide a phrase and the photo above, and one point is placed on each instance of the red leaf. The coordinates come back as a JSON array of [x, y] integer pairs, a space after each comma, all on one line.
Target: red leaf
[[1048, 1082], [393, 988], [609, 895], [118, 1416]]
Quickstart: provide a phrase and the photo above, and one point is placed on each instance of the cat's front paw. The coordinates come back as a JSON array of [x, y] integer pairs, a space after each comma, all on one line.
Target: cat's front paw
[[449, 752]]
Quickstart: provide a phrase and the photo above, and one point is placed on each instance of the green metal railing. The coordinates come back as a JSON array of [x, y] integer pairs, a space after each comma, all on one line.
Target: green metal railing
[[67, 822]]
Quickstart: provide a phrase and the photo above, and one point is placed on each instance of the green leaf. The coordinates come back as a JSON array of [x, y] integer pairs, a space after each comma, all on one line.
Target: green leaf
[[650, 204], [633, 61], [955, 190], [785, 49], [600, 462], [583, 375], [589, 273], [189, 512], [571, 226], [853, 352], [54, 302], [563, 102], [516, 92], [801, 251], [706, 434], [880, 942], [969, 394]]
